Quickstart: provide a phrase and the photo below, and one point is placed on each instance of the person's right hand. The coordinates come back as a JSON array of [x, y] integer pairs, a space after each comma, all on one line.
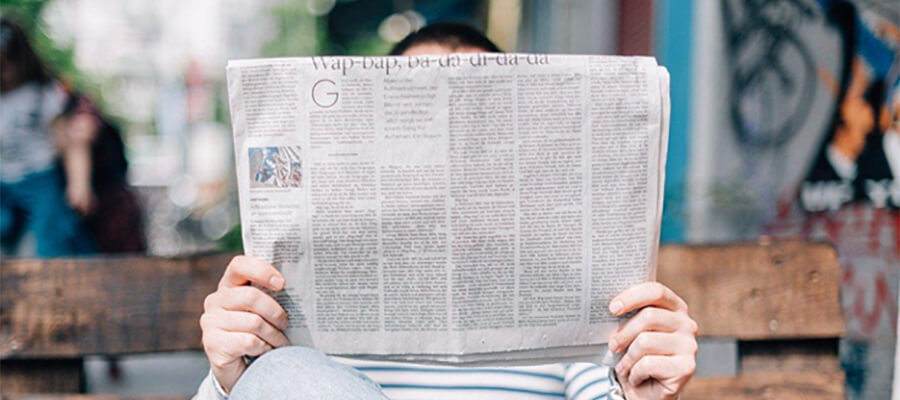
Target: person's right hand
[[242, 320]]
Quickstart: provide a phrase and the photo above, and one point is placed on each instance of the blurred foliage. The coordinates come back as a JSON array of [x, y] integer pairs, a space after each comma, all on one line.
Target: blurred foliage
[[232, 242], [299, 33], [59, 59], [369, 45]]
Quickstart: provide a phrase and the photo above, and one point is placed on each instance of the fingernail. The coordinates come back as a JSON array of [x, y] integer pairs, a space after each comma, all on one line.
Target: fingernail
[[276, 282], [616, 307], [613, 345]]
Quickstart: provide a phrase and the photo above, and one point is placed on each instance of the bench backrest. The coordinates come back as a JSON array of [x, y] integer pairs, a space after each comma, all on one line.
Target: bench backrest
[[56, 311], [780, 300]]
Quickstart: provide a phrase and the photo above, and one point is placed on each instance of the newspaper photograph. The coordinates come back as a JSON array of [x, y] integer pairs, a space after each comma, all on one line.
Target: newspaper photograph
[[478, 208]]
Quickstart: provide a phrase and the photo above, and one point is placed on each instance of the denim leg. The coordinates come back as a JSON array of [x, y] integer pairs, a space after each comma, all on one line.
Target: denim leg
[[12, 224], [58, 229], [302, 373]]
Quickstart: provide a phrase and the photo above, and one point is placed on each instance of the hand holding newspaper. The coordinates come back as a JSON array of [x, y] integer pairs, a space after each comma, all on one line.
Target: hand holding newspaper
[[462, 208]]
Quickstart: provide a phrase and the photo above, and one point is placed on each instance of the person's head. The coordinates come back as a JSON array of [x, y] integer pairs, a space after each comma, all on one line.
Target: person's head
[[443, 38], [18, 62]]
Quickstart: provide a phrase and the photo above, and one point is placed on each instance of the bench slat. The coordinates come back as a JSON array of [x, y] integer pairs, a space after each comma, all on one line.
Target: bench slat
[[42, 376], [789, 355], [69, 308], [75, 307], [121, 305], [818, 385], [779, 290]]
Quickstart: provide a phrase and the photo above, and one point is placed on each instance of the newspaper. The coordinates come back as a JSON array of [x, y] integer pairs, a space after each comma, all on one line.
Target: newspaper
[[462, 208]]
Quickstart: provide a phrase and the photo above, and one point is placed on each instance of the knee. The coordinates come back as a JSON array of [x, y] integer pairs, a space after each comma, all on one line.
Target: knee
[[285, 364], [303, 373], [291, 355]]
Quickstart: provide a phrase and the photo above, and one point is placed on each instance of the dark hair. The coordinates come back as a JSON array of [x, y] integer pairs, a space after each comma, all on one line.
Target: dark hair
[[450, 34], [18, 51]]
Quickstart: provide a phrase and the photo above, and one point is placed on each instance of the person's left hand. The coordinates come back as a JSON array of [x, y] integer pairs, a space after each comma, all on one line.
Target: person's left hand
[[81, 198], [659, 342], [75, 135]]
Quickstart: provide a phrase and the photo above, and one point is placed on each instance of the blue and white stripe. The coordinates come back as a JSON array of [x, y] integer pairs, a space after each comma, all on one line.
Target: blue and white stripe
[[586, 381], [580, 381], [400, 381]]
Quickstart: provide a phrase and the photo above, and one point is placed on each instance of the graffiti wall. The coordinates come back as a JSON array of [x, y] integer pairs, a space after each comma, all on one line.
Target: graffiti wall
[[796, 133]]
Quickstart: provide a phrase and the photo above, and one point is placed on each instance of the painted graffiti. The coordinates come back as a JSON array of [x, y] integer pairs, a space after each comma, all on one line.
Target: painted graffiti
[[833, 116]]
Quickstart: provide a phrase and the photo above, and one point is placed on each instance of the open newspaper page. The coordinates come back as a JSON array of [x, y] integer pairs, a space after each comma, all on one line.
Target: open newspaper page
[[461, 208]]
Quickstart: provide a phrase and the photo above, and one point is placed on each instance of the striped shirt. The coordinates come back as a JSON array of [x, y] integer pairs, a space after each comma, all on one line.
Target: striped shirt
[[400, 381]]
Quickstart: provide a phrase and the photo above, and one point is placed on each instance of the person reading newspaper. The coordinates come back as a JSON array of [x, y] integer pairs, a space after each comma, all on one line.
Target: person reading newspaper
[[656, 345]]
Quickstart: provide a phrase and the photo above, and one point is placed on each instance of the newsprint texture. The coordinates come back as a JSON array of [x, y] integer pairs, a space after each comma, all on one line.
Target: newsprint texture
[[460, 208]]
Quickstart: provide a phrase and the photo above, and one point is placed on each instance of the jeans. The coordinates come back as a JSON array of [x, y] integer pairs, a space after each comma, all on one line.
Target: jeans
[[302, 373], [37, 204]]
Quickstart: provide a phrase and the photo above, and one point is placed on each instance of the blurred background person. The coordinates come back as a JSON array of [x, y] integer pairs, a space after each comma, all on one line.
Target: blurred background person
[[63, 163], [33, 199], [111, 209]]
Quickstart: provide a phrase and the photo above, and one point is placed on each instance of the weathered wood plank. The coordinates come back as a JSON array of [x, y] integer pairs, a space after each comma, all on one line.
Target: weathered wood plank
[[123, 305], [771, 385], [119, 305], [63, 308], [41, 376], [789, 355], [771, 290]]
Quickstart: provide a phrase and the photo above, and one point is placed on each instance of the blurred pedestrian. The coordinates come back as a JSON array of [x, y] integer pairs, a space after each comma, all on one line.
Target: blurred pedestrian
[[32, 198], [113, 214]]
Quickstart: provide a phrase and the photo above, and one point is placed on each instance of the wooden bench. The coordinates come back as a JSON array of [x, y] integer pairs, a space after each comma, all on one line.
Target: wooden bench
[[779, 300]]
